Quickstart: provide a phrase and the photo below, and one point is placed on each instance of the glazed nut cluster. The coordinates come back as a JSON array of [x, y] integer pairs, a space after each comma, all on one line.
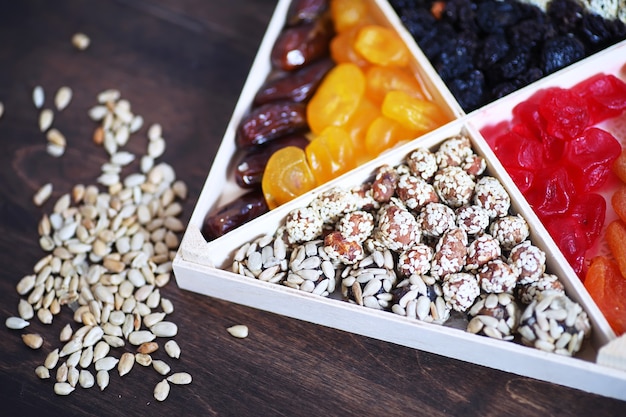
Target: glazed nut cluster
[[431, 238]]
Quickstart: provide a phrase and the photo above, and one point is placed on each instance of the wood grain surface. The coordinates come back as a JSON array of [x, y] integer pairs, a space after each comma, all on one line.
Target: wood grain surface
[[182, 63]]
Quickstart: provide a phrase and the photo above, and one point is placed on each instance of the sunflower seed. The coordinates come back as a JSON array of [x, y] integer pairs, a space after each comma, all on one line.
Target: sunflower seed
[[140, 336], [32, 340], [61, 375], [42, 195], [113, 341], [124, 366], [102, 378], [63, 388], [106, 364], [42, 372], [143, 359], [80, 41], [148, 347], [46, 116], [93, 336], [110, 95], [55, 150], [172, 349], [55, 137], [86, 357], [16, 323], [72, 376], [161, 390], [180, 378], [38, 96], [164, 329], [62, 98], [239, 331], [1, 109], [161, 367], [85, 379], [66, 333], [52, 359]]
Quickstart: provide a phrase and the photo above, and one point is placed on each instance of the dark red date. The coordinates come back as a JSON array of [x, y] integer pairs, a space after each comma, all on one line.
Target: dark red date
[[297, 86], [251, 163], [301, 11], [271, 121], [232, 215], [300, 45]]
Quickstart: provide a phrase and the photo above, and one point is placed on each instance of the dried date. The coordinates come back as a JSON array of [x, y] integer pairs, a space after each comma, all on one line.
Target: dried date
[[297, 86], [252, 161], [232, 215], [301, 11], [271, 121], [301, 45]]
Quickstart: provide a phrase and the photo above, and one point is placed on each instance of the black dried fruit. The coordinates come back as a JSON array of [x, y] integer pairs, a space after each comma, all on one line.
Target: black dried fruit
[[462, 13], [493, 48], [469, 90], [495, 16], [453, 64], [528, 33], [565, 15], [561, 52], [419, 22], [509, 67]]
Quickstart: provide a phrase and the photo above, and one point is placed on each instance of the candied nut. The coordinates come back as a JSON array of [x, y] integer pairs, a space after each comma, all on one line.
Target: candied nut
[[398, 229], [496, 276], [454, 186], [338, 247], [384, 185], [357, 225], [450, 253], [415, 260], [482, 250], [436, 218], [415, 192], [422, 163]]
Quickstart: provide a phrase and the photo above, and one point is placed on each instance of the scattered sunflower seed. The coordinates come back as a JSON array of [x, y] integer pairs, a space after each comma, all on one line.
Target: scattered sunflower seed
[[1, 109], [80, 41], [172, 349], [239, 331], [42, 372], [161, 390], [45, 119], [42, 195], [63, 388], [32, 340], [62, 98], [16, 323], [161, 367], [180, 378], [102, 378], [38, 96]]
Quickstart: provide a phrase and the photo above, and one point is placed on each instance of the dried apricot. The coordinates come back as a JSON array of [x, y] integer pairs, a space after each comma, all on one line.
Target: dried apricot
[[330, 154], [618, 201], [419, 115], [607, 287], [337, 98], [342, 48], [381, 46], [348, 13], [381, 80], [287, 176], [384, 133], [358, 125], [615, 237]]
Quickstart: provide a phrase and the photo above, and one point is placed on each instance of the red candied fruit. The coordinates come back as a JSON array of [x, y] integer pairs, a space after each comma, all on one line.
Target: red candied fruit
[[605, 95], [607, 287], [590, 157], [519, 151], [564, 112], [551, 192], [589, 211], [570, 238]]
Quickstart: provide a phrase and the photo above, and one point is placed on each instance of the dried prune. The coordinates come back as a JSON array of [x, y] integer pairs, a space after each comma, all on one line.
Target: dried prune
[[560, 52], [298, 85], [300, 45], [232, 215], [251, 163], [301, 11], [271, 121]]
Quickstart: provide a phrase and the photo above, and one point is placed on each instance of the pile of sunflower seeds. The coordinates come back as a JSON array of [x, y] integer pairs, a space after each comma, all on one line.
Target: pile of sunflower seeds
[[432, 239], [109, 254]]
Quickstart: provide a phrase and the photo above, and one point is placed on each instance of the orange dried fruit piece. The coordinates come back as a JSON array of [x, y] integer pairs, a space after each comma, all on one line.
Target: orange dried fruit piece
[[607, 287], [384, 133], [381, 80], [358, 125], [616, 238], [337, 97], [330, 154], [418, 115], [342, 48], [619, 166], [381, 46], [618, 202], [346, 14], [287, 175]]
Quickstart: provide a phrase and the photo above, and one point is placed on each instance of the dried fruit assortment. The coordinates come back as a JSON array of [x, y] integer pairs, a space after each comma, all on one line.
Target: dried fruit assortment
[[433, 238], [341, 82], [485, 49], [561, 161]]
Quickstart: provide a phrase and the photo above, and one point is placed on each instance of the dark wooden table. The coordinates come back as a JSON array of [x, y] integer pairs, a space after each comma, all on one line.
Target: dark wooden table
[[182, 63]]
